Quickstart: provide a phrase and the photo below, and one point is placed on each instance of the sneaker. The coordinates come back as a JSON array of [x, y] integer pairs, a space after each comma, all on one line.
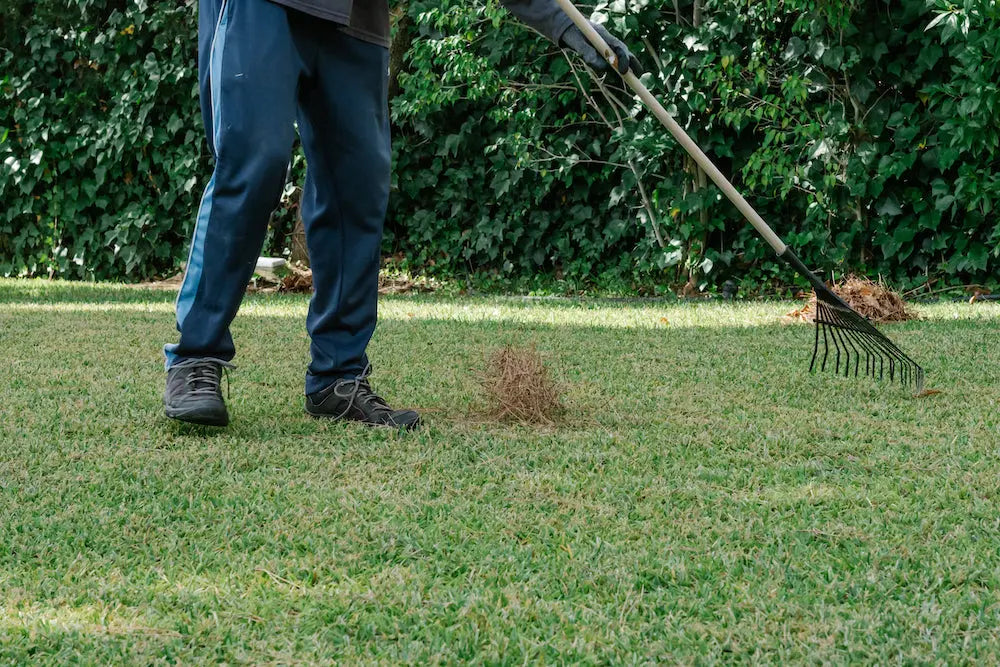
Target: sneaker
[[354, 400], [194, 392]]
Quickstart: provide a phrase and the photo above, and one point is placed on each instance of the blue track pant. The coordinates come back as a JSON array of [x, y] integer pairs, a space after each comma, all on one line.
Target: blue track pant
[[262, 68]]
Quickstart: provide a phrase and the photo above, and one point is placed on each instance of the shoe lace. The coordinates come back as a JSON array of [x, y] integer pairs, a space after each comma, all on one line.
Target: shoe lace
[[205, 377], [360, 391]]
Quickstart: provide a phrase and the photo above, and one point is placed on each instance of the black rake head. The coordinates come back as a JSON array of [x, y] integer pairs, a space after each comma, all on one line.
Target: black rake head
[[848, 338]]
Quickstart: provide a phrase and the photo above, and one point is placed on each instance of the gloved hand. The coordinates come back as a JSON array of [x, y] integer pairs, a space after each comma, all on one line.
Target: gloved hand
[[546, 17], [577, 41]]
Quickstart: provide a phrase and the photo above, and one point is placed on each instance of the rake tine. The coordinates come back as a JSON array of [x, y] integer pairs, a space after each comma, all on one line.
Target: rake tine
[[835, 335], [897, 358], [848, 349], [857, 365], [870, 355], [873, 341], [836, 349], [826, 344], [849, 336], [852, 339], [844, 329], [859, 340], [841, 348], [822, 314], [812, 364], [897, 363], [857, 337], [838, 333]]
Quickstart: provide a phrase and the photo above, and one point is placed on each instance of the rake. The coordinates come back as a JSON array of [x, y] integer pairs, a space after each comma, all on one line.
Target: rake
[[845, 342]]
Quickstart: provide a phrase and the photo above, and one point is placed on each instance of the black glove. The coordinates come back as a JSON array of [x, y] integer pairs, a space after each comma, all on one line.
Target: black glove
[[575, 40], [548, 18]]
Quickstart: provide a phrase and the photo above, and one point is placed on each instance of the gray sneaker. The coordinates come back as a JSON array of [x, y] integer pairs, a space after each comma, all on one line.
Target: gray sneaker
[[194, 392], [355, 400]]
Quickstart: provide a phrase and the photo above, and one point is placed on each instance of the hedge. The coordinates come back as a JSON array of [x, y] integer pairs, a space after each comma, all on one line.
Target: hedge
[[866, 131]]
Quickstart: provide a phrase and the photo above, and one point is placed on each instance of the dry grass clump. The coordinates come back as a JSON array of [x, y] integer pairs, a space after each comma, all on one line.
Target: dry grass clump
[[297, 280], [872, 299], [300, 280], [519, 386]]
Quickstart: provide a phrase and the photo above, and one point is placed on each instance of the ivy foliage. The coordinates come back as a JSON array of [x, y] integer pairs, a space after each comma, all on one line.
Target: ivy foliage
[[101, 150], [865, 131]]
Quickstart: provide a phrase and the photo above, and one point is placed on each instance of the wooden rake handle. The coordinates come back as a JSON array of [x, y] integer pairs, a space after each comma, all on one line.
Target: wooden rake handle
[[676, 130]]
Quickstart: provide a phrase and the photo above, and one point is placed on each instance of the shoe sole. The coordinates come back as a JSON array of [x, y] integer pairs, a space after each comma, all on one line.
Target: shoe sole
[[411, 427], [193, 417]]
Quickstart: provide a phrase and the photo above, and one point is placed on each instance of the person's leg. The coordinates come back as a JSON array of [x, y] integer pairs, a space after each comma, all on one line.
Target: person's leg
[[249, 72], [250, 68], [344, 125]]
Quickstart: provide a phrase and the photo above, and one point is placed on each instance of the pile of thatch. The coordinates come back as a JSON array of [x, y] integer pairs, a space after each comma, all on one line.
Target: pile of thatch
[[872, 299], [519, 386], [300, 280], [297, 280]]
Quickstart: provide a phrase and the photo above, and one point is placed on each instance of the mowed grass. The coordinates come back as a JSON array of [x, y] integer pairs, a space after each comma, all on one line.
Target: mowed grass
[[703, 498]]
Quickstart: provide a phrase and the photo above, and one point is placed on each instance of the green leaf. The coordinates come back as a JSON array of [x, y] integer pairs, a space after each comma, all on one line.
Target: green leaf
[[889, 207], [944, 202]]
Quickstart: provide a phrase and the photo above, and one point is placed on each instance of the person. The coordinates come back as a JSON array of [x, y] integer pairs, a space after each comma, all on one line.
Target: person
[[263, 66]]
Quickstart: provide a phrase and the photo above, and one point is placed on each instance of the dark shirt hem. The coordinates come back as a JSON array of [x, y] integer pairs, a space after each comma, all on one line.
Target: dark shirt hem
[[365, 36], [316, 10]]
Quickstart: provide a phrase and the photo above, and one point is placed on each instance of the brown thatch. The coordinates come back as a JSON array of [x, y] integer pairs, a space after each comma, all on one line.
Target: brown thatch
[[519, 386], [872, 299], [301, 280], [388, 284], [297, 280]]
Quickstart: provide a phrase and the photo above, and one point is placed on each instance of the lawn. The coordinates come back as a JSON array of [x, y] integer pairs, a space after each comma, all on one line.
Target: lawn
[[702, 499]]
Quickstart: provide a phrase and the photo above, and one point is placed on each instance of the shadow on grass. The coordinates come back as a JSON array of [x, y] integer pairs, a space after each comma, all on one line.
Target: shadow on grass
[[432, 342], [41, 291], [38, 295]]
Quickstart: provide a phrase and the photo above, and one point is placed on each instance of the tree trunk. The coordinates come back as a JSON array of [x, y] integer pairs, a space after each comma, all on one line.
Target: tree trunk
[[402, 37], [300, 252]]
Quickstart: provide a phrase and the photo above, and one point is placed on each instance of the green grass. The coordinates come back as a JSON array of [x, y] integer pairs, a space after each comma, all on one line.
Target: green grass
[[704, 498]]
